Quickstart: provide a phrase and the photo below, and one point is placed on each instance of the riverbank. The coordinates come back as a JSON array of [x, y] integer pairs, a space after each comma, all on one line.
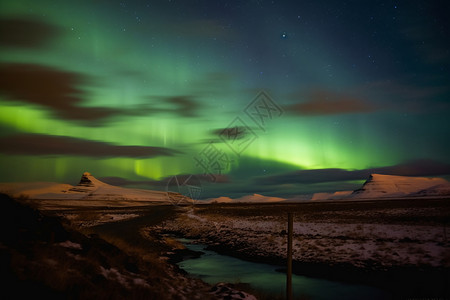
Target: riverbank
[[213, 267], [409, 258], [399, 246], [86, 257]]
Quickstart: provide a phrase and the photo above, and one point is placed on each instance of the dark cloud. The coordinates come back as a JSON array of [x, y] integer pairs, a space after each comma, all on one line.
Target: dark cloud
[[413, 168], [239, 181], [232, 133], [180, 178], [323, 102], [314, 176], [119, 181], [301, 182], [52, 88], [201, 178], [36, 144], [7, 129], [421, 167], [26, 33], [182, 183], [183, 105], [244, 180], [60, 91]]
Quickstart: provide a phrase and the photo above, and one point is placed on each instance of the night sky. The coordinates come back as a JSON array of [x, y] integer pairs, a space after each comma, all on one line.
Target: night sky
[[279, 98]]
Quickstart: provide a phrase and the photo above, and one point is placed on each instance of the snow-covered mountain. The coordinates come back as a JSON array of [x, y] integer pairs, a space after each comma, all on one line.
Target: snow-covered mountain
[[376, 187], [32, 189], [389, 186], [89, 191], [92, 192], [331, 196], [255, 198]]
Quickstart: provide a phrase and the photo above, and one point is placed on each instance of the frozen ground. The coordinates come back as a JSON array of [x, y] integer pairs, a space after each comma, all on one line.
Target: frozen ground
[[356, 241], [379, 235]]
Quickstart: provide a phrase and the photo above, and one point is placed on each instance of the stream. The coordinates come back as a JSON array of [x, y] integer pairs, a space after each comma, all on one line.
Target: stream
[[212, 268]]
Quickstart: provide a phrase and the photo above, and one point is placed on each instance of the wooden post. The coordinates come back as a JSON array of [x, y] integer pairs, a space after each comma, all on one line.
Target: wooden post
[[289, 258]]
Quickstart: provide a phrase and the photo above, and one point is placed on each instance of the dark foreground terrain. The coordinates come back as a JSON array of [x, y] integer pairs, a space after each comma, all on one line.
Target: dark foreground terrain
[[125, 253], [42, 256]]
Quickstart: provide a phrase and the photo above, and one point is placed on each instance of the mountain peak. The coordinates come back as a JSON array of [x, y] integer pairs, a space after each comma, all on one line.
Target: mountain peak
[[92, 191], [379, 185], [88, 182]]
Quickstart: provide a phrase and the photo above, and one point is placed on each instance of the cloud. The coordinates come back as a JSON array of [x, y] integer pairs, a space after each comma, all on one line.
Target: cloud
[[235, 133], [196, 178], [322, 102], [423, 167], [182, 183], [183, 105], [244, 180], [314, 176], [37, 144], [412, 168], [52, 88], [60, 91], [26, 33], [119, 181]]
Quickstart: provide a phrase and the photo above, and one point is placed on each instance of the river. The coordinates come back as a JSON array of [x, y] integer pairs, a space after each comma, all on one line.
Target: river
[[212, 268]]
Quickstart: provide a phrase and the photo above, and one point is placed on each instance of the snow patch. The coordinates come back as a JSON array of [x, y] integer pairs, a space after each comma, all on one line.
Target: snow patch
[[126, 280], [71, 245], [360, 244], [225, 291]]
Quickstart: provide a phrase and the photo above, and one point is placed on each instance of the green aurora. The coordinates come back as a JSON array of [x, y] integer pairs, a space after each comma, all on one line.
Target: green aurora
[[360, 87]]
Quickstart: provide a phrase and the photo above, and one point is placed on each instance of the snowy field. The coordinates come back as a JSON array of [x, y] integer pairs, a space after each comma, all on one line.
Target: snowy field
[[380, 240], [368, 237]]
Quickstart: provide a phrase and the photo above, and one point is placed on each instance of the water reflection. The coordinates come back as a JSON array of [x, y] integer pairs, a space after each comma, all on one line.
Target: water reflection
[[213, 268]]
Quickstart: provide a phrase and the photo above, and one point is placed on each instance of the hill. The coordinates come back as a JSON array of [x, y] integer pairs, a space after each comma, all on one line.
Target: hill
[[88, 192], [389, 186]]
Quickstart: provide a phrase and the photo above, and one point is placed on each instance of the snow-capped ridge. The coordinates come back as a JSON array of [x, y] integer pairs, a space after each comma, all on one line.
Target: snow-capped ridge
[[390, 186], [255, 198], [331, 196], [88, 192], [380, 186]]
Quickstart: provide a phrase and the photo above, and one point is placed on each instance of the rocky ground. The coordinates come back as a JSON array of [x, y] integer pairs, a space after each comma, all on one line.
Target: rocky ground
[[46, 256], [375, 241], [106, 252], [362, 245]]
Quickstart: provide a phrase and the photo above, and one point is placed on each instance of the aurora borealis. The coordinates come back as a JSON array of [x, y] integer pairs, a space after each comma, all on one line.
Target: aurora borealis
[[134, 91]]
